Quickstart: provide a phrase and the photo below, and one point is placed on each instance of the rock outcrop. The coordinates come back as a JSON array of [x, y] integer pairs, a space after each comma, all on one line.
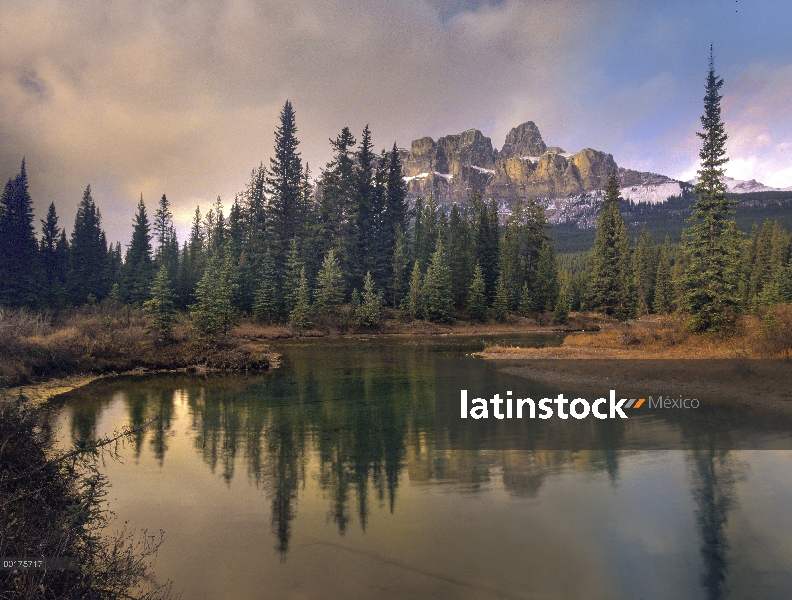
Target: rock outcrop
[[455, 166]]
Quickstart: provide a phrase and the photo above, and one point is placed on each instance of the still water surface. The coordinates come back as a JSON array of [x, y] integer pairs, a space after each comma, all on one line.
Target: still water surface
[[321, 480]]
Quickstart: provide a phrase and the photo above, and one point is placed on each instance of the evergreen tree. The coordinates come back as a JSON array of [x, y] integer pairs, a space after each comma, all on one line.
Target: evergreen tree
[[255, 222], [437, 296], [768, 265], [414, 304], [337, 210], [486, 242], [163, 224], [236, 228], [191, 265], [526, 301], [138, 268], [400, 283], [265, 306], [329, 285], [370, 312], [167, 250], [87, 253], [644, 272], [285, 186], [292, 277], [710, 278], [159, 308], [396, 193], [216, 227], [562, 306], [213, 312], [459, 255], [115, 264], [610, 282], [54, 253], [19, 272], [477, 301], [500, 306], [663, 303], [299, 317], [362, 248], [545, 288], [425, 230]]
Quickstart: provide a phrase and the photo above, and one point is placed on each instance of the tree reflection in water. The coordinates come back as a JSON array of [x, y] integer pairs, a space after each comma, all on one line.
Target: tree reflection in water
[[713, 475], [360, 421]]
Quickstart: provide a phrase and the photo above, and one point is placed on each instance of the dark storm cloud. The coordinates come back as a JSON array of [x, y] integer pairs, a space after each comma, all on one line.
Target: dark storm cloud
[[182, 97]]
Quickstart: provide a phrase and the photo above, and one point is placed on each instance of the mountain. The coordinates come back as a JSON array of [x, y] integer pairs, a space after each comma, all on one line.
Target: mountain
[[736, 186], [570, 185]]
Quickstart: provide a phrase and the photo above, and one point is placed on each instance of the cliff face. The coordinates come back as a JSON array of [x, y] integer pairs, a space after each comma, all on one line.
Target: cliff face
[[455, 166]]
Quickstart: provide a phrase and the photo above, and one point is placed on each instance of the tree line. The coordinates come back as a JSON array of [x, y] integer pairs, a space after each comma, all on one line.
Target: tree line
[[289, 250]]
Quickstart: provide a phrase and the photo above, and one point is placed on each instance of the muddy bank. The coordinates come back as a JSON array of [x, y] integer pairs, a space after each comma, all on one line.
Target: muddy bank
[[757, 382]]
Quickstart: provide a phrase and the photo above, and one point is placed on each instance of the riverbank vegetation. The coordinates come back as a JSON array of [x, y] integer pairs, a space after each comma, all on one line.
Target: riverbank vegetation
[[110, 338], [765, 334], [52, 505]]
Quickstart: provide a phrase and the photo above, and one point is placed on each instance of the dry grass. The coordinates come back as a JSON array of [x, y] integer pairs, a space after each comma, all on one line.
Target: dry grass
[[765, 335], [105, 339]]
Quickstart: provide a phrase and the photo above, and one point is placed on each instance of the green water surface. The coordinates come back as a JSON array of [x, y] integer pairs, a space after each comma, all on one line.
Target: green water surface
[[320, 479]]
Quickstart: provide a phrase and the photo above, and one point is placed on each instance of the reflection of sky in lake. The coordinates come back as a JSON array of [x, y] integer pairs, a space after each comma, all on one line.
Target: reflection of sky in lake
[[321, 480]]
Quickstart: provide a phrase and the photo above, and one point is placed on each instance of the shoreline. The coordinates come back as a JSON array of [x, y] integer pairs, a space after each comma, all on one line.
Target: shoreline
[[39, 392], [760, 383]]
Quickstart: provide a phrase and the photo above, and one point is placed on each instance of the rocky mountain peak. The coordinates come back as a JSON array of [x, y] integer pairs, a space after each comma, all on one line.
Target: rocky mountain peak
[[523, 140]]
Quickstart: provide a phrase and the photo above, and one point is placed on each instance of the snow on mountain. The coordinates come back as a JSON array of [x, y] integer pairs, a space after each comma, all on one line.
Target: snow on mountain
[[737, 186], [652, 194]]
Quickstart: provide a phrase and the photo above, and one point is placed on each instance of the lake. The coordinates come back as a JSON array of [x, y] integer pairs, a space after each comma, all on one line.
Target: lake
[[320, 479]]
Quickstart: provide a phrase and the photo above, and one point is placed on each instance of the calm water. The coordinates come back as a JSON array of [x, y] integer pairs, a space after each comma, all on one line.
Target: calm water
[[321, 480]]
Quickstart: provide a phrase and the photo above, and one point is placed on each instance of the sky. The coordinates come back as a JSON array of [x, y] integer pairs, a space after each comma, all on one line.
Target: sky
[[182, 97]]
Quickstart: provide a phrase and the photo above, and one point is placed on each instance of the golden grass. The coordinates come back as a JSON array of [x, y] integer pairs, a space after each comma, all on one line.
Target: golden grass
[[763, 335], [105, 339]]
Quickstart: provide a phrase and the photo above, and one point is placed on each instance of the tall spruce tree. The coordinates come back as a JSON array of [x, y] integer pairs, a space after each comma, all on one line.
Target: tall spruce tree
[[545, 287], [138, 270], [167, 250], [663, 302], [53, 250], [87, 254], [413, 302], [337, 211], [19, 273], [285, 187], [394, 219], [265, 304], [191, 264], [477, 301], [710, 279], [399, 269], [459, 255], [610, 281], [486, 243], [644, 272], [362, 247]]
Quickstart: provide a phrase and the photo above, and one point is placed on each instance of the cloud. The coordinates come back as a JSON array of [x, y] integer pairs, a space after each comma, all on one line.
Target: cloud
[[183, 97]]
